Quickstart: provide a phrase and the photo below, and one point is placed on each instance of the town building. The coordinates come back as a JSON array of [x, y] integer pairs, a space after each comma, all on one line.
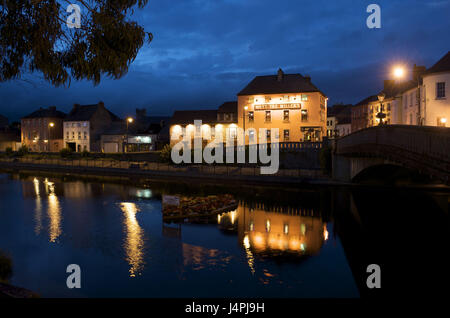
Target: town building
[[41, 131], [422, 100], [84, 126], [289, 102], [9, 135], [220, 124], [139, 134], [339, 120], [436, 93]]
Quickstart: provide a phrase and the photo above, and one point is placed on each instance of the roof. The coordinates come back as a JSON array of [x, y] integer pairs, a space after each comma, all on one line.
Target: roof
[[367, 100], [85, 112], [185, 117], [397, 88], [338, 109], [443, 65], [289, 83], [228, 107], [50, 112]]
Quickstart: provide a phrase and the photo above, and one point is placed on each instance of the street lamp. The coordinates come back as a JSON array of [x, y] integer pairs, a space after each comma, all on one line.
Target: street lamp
[[245, 108], [50, 125], [399, 72], [129, 121], [380, 114]]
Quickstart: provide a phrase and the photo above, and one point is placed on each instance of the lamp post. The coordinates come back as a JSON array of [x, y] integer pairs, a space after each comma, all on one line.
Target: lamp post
[[50, 126], [129, 121], [245, 108], [380, 114]]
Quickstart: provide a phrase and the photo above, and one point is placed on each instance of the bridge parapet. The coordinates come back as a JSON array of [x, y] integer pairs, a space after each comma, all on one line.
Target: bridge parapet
[[422, 148]]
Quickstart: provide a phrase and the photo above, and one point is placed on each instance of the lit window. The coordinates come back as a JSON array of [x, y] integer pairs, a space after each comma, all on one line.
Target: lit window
[[251, 117], [268, 116], [267, 225], [304, 115], [251, 135], [286, 115], [304, 97], [440, 90], [286, 229], [252, 226], [233, 132]]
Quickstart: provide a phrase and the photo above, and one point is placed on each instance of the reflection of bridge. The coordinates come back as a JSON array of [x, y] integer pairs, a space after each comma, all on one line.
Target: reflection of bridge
[[422, 149]]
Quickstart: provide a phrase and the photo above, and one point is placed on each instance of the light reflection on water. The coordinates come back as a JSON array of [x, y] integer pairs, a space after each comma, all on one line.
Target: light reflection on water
[[134, 242], [107, 227]]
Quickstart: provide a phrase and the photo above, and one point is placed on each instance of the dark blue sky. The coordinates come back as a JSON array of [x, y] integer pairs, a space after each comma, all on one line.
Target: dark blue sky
[[205, 51]]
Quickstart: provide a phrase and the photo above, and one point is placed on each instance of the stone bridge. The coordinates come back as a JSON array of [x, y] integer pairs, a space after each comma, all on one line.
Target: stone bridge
[[419, 148]]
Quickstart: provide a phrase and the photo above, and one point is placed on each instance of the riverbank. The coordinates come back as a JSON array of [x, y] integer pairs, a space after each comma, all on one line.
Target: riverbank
[[157, 171], [8, 291]]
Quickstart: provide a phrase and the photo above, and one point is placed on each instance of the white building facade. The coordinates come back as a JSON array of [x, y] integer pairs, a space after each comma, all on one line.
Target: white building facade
[[76, 135]]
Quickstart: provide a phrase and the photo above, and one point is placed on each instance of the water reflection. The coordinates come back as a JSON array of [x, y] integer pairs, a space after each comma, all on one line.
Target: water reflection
[[134, 242], [273, 233], [38, 209]]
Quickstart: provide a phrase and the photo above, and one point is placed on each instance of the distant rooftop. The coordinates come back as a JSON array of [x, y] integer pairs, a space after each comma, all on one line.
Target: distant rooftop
[[279, 84], [50, 112], [85, 112], [184, 117], [228, 107], [443, 65]]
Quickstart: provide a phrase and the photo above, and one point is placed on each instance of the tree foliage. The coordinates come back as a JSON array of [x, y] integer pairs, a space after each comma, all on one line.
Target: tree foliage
[[34, 37]]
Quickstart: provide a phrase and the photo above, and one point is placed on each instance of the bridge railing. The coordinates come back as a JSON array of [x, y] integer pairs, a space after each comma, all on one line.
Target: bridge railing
[[422, 140]]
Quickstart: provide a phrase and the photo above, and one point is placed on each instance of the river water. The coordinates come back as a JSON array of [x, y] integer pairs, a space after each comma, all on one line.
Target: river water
[[304, 243]]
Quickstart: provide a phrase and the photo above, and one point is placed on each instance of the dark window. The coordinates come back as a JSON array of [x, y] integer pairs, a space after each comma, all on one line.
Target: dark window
[[286, 134], [440, 90], [268, 134], [251, 117], [268, 116]]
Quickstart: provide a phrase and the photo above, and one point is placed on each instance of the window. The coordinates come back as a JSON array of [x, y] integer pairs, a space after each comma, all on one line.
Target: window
[[286, 115], [251, 135], [389, 106], [251, 117], [268, 116], [233, 132], [79, 135], [268, 134], [441, 121], [440, 90], [85, 135], [304, 115], [304, 97], [286, 135]]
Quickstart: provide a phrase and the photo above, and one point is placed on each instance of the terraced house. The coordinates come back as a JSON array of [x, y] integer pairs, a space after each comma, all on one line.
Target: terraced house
[[84, 126]]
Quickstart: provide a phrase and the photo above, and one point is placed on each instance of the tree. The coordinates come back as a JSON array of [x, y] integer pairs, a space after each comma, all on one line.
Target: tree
[[34, 37]]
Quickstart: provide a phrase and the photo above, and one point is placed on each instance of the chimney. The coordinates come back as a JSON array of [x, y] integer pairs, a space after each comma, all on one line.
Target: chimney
[[307, 78], [141, 112], [417, 72], [280, 75], [388, 84], [101, 104], [52, 108]]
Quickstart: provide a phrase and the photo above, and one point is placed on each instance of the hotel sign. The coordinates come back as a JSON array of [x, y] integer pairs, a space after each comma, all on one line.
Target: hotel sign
[[278, 106]]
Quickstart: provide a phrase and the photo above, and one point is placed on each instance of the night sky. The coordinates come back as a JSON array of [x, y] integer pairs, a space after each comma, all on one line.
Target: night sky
[[205, 51]]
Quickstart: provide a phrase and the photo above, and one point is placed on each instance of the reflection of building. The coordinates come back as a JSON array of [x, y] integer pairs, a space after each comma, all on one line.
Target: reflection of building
[[42, 130], [289, 102], [265, 232]]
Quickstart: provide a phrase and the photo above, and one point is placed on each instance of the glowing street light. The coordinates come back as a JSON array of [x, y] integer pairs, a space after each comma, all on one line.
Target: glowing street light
[[399, 72], [129, 121]]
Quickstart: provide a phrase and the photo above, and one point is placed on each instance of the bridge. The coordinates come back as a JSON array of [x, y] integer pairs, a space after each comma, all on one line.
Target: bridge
[[422, 149]]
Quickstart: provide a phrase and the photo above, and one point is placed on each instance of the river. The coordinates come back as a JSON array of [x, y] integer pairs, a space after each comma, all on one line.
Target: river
[[307, 243]]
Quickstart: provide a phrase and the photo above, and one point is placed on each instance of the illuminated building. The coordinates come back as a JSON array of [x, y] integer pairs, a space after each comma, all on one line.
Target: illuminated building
[[220, 124], [289, 102], [42, 130]]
